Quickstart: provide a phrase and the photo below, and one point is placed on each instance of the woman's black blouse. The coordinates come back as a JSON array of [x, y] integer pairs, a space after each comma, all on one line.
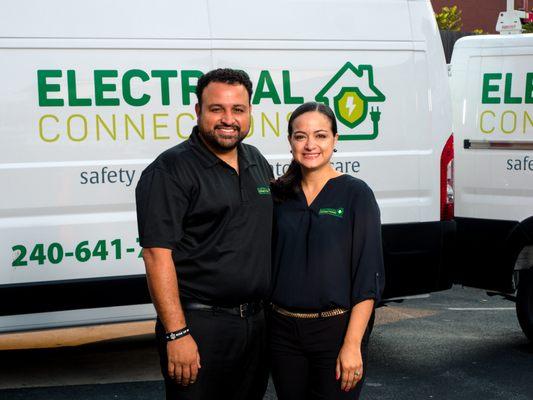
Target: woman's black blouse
[[328, 254]]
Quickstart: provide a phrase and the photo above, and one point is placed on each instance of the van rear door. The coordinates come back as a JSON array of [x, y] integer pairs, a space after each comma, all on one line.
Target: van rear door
[[492, 84]]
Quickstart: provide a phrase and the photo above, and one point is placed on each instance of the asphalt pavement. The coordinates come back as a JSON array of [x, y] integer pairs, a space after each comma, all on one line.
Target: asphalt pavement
[[457, 344]]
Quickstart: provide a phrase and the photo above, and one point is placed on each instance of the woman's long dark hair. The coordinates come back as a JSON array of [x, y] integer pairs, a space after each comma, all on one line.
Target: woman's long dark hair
[[288, 185]]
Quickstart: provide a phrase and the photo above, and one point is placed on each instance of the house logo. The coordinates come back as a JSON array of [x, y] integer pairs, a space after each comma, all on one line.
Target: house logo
[[348, 93]]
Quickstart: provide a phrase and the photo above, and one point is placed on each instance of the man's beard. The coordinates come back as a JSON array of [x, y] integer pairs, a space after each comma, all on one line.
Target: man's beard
[[222, 146]]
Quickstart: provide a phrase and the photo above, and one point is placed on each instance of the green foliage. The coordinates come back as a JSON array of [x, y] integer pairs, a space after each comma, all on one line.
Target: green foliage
[[478, 31], [449, 19], [528, 28]]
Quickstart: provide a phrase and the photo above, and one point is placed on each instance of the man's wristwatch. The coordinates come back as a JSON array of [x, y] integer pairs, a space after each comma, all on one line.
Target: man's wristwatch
[[177, 334]]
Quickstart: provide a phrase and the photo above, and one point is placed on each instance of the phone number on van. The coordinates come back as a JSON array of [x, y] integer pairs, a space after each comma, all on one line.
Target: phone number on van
[[55, 253]]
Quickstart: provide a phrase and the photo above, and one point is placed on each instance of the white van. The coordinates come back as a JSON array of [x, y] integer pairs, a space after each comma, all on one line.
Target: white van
[[93, 91], [492, 95]]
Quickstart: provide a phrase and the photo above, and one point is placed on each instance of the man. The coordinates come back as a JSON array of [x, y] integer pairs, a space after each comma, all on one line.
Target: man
[[204, 214]]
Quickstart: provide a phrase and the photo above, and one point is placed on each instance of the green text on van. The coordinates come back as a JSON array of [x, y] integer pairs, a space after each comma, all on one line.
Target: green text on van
[[105, 82], [492, 82]]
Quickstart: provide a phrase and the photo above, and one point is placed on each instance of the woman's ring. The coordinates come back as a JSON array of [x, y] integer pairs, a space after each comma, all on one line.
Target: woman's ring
[[356, 373]]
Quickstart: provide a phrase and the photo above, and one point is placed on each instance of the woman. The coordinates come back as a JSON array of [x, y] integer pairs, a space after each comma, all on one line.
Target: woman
[[328, 267]]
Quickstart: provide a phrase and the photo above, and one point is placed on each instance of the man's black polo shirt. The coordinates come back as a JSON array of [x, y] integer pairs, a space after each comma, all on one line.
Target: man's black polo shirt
[[216, 222]]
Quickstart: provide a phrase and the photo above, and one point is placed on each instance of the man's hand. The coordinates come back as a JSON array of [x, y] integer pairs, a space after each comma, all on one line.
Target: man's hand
[[183, 360], [182, 354], [349, 366]]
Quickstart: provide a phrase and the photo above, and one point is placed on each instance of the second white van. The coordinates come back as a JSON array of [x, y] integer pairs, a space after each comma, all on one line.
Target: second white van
[[492, 95]]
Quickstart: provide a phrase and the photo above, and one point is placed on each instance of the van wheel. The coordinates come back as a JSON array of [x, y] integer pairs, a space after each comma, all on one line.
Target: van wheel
[[524, 302]]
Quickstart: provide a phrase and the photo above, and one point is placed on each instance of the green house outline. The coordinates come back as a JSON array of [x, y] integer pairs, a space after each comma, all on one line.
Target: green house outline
[[336, 100], [377, 97]]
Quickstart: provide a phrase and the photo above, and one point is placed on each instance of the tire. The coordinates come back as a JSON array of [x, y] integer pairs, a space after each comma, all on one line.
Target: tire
[[524, 302]]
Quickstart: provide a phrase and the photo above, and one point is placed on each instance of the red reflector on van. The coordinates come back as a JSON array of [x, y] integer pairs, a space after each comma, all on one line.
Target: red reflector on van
[[446, 181]]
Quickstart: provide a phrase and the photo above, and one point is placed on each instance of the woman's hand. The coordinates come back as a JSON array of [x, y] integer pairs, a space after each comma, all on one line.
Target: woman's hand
[[349, 367], [350, 360]]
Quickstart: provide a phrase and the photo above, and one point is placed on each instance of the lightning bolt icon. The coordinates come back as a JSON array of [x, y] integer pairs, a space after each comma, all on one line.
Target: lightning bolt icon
[[350, 106]]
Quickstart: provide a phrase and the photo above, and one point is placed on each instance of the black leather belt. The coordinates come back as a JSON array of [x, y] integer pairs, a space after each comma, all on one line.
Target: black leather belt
[[244, 310]]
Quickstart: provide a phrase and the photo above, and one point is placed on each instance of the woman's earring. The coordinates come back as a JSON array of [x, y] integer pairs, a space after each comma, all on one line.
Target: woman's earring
[[290, 151], [335, 150]]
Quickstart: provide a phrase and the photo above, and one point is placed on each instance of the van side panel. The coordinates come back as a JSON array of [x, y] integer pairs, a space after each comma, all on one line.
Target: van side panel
[[491, 104], [93, 235]]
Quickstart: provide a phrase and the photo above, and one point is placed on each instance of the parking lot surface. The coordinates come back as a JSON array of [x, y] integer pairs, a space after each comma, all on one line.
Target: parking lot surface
[[457, 344]]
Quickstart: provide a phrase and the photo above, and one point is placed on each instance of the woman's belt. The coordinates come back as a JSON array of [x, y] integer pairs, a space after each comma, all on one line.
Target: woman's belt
[[310, 315]]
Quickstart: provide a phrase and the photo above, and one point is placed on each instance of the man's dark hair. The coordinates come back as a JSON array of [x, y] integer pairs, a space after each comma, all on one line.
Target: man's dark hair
[[224, 75]]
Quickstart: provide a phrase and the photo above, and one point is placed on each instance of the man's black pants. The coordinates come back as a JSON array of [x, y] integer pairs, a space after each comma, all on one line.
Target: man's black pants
[[233, 355], [304, 354]]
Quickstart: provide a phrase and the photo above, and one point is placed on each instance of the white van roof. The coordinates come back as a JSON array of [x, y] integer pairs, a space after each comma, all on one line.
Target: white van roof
[[208, 19], [492, 41]]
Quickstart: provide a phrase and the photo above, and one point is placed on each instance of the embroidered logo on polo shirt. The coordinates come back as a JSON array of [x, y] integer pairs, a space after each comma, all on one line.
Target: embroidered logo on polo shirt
[[263, 190], [334, 212]]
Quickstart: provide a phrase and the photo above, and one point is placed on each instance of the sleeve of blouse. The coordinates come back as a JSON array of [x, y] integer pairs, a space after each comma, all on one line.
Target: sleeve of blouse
[[368, 272], [161, 206]]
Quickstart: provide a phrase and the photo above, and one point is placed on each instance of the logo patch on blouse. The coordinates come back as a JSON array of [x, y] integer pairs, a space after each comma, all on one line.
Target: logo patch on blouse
[[263, 190], [334, 212]]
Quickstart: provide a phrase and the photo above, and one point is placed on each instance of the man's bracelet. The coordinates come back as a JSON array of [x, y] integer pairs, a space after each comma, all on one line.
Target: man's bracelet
[[177, 334]]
